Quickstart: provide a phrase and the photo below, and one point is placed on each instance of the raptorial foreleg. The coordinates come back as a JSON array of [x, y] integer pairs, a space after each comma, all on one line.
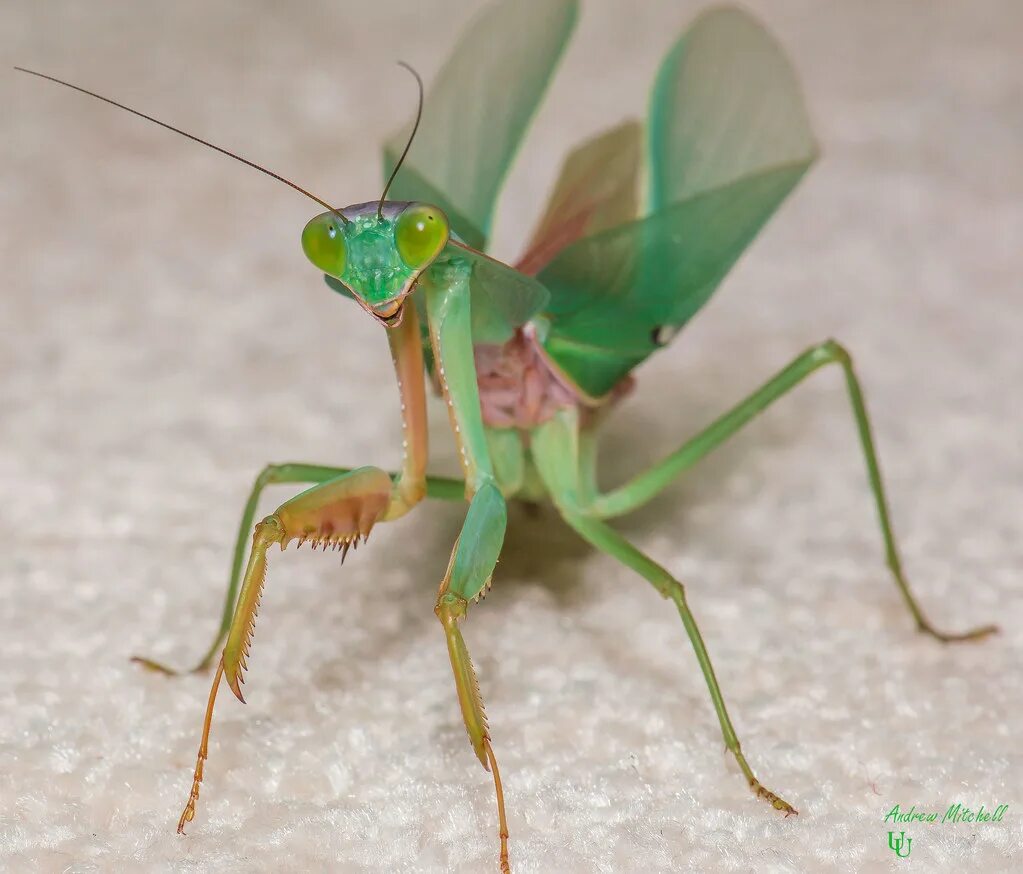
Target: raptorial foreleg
[[336, 514], [468, 575]]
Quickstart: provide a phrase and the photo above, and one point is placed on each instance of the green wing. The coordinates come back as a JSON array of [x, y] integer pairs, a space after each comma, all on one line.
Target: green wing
[[729, 139], [618, 296], [726, 104], [477, 111], [597, 189]]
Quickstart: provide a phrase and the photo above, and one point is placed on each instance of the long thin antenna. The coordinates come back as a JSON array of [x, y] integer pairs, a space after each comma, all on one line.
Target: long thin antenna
[[170, 127], [408, 145]]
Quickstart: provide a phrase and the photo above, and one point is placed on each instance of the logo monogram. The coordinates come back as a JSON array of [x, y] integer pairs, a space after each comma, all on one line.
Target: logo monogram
[[897, 844]]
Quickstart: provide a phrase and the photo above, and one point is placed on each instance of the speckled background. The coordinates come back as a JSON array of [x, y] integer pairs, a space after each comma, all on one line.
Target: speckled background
[[161, 337]]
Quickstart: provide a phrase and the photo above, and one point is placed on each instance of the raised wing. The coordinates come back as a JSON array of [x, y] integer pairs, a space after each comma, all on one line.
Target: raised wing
[[597, 189], [729, 139], [477, 111], [726, 104], [620, 295]]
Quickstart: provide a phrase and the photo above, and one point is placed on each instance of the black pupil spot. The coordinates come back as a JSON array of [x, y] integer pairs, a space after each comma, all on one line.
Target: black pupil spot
[[662, 334]]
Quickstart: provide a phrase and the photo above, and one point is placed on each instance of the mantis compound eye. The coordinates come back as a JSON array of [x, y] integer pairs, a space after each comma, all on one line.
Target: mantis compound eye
[[323, 241], [420, 233]]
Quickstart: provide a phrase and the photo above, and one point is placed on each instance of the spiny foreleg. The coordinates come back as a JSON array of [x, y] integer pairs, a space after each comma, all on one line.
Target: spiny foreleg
[[336, 514], [467, 578]]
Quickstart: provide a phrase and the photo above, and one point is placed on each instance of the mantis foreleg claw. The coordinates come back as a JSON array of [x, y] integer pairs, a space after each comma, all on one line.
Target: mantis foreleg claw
[[468, 575], [337, 513]]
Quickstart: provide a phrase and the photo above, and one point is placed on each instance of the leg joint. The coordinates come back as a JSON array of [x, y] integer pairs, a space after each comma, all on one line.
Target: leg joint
[[672, 588], [831, 351], [268, 475], [270, 530], [666, 584], [450, 608]]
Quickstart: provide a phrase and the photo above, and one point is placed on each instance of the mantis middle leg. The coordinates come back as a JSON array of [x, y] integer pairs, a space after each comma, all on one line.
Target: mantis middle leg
[[652, 481]]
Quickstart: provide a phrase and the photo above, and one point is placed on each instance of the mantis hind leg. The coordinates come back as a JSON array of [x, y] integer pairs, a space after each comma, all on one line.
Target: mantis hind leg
[[308, 474], [646, 485], [610, 541], [556, 451]]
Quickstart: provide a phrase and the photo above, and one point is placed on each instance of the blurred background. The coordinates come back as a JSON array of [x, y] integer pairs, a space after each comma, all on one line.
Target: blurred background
[[162, 337]]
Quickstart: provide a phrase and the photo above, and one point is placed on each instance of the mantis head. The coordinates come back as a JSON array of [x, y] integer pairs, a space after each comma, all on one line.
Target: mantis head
[[377, 251]]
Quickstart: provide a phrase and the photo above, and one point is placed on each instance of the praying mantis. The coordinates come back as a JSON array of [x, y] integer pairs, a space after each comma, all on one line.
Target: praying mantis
[[530, 359]]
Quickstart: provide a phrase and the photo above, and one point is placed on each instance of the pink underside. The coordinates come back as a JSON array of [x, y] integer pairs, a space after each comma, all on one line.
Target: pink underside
[[517, 387]]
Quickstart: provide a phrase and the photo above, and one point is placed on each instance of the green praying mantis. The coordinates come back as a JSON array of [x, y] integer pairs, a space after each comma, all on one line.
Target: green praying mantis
[[529, 359]]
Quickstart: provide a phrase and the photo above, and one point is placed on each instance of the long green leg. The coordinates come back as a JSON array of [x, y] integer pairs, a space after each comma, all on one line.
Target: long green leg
[[646, 485], [436, 487], [558, 451], [610, 541]]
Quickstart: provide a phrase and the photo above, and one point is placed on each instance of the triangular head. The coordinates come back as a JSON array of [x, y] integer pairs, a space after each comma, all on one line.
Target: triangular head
[[377, 251]]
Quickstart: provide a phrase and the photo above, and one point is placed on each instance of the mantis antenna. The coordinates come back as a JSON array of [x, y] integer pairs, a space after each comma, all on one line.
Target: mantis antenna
[[196, 139], [408, 145]]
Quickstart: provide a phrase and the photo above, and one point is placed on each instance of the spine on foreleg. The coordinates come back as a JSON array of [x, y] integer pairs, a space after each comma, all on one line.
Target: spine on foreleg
[[450, 610]]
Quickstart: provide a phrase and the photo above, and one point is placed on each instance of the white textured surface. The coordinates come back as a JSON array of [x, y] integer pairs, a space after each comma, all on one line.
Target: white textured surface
[[162, 337]]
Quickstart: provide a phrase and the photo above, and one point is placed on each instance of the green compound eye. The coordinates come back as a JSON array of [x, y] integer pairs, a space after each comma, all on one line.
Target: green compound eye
[[323, 242], [420, 233]]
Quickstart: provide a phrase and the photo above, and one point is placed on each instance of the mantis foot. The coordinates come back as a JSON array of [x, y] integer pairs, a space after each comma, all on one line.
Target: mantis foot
[[160, 668], [760, 790], [776, 801], [978, 633]]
